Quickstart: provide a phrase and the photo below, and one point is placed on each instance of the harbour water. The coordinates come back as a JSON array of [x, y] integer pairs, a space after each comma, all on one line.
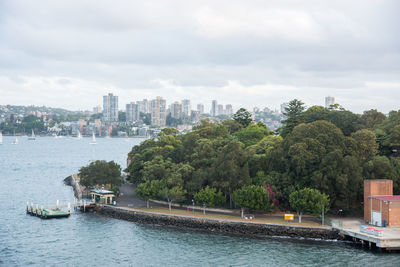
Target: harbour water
[[34, 171]]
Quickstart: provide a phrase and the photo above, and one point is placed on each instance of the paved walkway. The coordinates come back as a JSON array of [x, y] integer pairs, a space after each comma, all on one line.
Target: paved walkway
[[128, 197]]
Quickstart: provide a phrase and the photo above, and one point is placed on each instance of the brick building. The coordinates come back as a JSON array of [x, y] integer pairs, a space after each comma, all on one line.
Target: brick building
[[380, 206]]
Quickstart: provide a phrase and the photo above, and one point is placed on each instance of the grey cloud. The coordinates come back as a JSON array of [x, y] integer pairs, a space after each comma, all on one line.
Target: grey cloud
[[129, 44]]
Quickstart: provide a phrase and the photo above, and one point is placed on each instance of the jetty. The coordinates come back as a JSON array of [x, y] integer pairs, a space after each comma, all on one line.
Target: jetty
[[48, 212], [59, 211], [383, 238]]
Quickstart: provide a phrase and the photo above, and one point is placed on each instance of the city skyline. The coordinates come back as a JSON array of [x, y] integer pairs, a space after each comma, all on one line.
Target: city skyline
[[246, 54]]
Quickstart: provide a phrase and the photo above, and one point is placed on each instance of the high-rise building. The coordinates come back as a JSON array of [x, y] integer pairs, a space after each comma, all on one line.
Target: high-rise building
[[144, 106], [214, 105], [186, 107], [220, 109], [283, 107], [97, 109], [110, 108], [176, 110], [132, 112], [329, 100], [158, 111], [200, 108], [228, 110]]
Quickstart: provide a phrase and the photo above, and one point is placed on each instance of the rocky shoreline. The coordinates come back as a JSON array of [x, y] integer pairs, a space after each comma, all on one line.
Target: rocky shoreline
[[222, 226], [72, 181]]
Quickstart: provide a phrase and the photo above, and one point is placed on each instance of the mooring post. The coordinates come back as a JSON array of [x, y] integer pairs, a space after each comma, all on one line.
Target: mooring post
[[27, 207], [369, 244], [57, 204], [84, 206], [41, 210], [31, 206], [69, 207], [37, 208]]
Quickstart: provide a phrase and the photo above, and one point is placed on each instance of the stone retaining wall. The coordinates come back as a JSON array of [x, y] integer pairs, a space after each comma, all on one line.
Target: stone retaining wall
[[223, 226], [71, 181]]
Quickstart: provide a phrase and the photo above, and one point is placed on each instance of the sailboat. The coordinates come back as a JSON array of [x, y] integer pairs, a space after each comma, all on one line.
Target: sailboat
[[1, 138], [15, 142], [32, 137], [93, 140]]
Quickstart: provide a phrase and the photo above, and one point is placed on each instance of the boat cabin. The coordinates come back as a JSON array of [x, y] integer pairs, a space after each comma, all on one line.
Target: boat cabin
[[103, 196]]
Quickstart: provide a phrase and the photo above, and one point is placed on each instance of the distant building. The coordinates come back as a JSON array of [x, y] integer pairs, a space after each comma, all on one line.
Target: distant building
[[97, 109], [158, 111], [186, 107], [132, 112], [110, 108], [329, 100], [214, 105], [283, 107], [200, 108], [256, 109], [144, 106], [228, 110], [220, 110], [176, 110]]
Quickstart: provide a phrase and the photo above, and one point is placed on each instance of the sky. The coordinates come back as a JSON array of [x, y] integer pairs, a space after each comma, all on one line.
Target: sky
[[260, 53]]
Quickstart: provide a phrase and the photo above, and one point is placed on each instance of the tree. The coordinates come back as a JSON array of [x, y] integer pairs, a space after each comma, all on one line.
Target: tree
[[149, 190], [176, 193], [252, 134], [232, 126], [121, 116], [253, 197], [366, 141], [293, 113], [169, 131], [100, 172], [309, 201], [210, 197], [372, 118], [243, 117], [230, 168]]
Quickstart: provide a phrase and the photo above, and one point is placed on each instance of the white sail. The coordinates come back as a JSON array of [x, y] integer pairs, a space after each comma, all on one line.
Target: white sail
[[15, 142], [32, 137], [93, 139]]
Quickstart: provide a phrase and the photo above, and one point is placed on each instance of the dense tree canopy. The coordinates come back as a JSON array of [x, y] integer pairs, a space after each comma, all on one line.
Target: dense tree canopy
[[310, 201], [100, 172], [329, 150]]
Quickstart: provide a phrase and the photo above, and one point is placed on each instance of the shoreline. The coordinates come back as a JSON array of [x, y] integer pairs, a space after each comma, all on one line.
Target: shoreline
[[255, 229]]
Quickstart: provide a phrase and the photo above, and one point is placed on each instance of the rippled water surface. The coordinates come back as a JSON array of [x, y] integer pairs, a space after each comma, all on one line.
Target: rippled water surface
[[34, 170]]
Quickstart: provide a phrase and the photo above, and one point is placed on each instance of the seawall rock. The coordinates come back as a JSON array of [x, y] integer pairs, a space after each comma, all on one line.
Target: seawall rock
[[254, 229], [72, 181]]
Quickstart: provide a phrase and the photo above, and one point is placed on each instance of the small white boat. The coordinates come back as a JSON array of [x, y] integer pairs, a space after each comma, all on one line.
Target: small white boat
[[15, 142], [1, 138], [32, 137], [93, 139]]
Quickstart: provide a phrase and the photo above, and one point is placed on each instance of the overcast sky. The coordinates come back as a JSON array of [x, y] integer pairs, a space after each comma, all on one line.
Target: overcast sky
[[248, 53]]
